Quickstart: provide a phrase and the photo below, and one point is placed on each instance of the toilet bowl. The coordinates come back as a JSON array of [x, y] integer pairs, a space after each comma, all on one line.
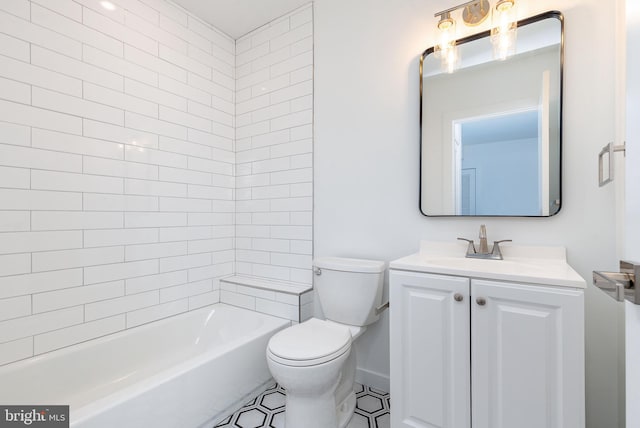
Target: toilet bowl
[[308, 360], [315, 361]]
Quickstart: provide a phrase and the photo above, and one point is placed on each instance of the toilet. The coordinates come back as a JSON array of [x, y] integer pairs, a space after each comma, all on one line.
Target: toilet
[[315, 360]]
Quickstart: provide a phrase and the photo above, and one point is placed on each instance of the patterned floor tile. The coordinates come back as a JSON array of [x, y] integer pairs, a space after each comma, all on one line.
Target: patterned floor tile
[[267, 410]]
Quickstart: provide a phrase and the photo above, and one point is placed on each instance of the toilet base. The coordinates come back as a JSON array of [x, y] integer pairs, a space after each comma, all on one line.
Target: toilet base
[[325, 414], [316, 411], [346, 409]]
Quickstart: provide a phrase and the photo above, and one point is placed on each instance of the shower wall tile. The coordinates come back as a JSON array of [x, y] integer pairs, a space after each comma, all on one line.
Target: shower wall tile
[[66, 259], [14, 221], [19, 199], [15, 307], [14, 48], [66, 66], [240, 300], [274, 150], [79, 333], [68, 297], [16, 350], [205, 299], [18, 328], [135, 286], [156, 312], [119, 166], [278, 309], [17, 134], [116, 168], [120, 305], [187, 290], [30, 283], [20, 28]]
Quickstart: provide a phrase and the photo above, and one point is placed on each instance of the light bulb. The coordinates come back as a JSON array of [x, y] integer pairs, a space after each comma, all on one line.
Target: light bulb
[[446, 49], [504, 29]]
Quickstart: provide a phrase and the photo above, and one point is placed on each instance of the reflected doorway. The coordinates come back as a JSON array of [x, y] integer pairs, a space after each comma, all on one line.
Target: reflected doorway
[[498, 164]]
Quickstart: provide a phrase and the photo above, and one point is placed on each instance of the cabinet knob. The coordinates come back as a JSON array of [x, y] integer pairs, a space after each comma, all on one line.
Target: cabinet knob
[[481, 301], [458, 297]]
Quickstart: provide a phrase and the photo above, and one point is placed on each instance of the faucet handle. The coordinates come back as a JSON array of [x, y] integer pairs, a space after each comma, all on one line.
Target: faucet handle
[[471, 249], [496, 247], [501, 241]]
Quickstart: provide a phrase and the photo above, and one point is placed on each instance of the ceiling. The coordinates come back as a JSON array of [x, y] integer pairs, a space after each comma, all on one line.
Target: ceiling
[[506, 127], [238, 17]]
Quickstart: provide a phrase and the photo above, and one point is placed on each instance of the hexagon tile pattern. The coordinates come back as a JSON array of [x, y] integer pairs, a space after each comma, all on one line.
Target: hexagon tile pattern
[[267, 410]]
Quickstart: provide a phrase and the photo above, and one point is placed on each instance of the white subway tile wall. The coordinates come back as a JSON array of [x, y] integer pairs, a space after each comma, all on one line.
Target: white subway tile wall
[[274, 134], [116, 168]]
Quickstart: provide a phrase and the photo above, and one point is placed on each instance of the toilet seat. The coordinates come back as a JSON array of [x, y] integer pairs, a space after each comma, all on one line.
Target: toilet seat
[[308, 344]]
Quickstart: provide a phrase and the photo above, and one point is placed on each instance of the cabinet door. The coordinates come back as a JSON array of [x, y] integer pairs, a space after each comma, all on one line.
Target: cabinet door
[[429, 335], [527, 353]]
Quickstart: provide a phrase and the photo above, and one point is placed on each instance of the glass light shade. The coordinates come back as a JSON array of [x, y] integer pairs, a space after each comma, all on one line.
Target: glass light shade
[[504, 27], [451, 61], [445, 48]]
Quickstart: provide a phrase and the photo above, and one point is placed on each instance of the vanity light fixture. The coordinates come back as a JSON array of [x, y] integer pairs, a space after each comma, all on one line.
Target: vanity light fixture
[[475, 12]]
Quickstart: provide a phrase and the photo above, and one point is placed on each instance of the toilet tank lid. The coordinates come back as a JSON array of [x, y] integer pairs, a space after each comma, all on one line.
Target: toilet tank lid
[[349, 265]]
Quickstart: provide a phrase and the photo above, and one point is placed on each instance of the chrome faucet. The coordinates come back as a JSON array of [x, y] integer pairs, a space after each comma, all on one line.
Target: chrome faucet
[[483, 250]]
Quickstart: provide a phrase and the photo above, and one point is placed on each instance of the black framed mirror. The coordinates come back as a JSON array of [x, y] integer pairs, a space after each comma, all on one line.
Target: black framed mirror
[[491, 131]]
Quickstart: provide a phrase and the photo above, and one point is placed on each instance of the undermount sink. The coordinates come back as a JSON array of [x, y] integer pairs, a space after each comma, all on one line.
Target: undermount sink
[[540, 265]]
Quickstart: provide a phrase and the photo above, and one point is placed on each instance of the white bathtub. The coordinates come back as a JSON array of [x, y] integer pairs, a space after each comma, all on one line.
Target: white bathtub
[[186, 371]]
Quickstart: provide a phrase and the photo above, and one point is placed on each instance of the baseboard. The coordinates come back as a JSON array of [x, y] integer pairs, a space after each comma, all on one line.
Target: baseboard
[[373, 379]]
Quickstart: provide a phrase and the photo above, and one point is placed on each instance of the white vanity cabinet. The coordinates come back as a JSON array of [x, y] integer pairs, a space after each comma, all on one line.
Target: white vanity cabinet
[[430, 345], [527, 355], [469, 350]]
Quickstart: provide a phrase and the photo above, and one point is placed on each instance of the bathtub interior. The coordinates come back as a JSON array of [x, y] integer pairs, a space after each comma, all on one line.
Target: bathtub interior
[[92, 370]]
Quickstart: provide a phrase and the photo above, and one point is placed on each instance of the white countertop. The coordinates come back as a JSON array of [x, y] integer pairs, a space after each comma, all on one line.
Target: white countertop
[[529, 264]]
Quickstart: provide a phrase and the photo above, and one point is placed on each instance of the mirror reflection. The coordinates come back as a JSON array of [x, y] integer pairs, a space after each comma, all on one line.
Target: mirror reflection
[[491, 130]]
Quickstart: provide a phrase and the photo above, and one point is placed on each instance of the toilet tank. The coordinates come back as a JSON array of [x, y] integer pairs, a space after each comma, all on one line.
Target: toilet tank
[[349, 290]]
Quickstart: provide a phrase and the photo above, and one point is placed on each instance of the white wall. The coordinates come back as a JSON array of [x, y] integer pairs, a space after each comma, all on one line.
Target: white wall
[[366, 167], [274, 149], [506, 176], [116, 168]]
